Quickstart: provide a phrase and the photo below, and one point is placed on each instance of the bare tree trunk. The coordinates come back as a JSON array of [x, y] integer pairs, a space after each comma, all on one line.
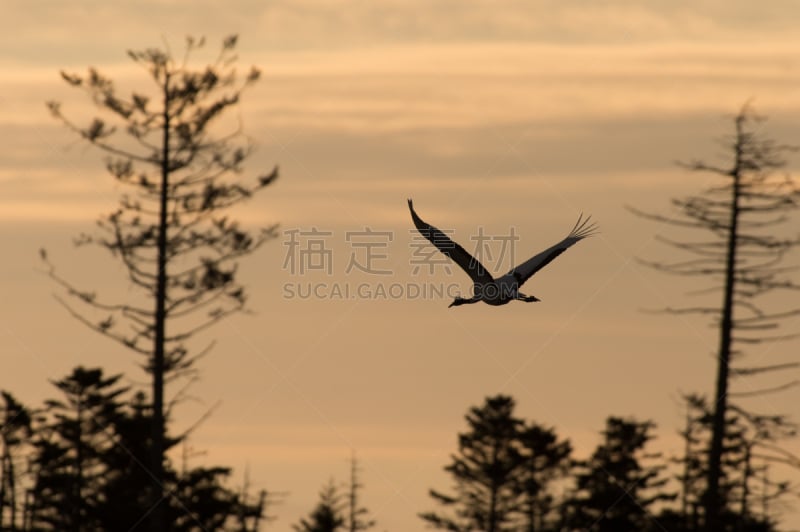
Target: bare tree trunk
[[713, 502], [157, 454]]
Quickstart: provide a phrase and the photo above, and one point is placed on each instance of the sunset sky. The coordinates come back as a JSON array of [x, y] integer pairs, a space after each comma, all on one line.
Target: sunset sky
[[493, 116]]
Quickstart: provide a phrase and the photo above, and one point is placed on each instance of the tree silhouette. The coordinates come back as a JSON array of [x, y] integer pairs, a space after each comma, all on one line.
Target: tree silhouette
[[356, 514], [88, 466], [69, 462], [251, 514], [747, 461], [15, 432], [616, 489], [202, 501], [544, 459], [693, 462], [485, 471], [743, 213], [328, 515], [198, 498], [750, 447], [128, 478], [170, 233]]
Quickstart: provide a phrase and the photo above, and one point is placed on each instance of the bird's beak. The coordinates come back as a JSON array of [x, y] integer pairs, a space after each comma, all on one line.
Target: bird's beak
[[451, 304]]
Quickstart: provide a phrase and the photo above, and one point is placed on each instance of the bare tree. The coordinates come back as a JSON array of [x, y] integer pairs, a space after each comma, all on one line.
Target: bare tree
[[170, 232], [745, 257]]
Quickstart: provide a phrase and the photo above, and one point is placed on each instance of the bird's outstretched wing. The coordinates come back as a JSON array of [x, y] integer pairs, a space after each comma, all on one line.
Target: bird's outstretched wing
[[583, 228], [459, 255]]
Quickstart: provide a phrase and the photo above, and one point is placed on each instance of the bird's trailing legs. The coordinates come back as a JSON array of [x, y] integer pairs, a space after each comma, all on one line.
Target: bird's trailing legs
[[527, 299]]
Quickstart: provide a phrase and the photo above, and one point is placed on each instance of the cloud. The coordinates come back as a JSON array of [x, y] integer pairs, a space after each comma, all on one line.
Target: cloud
[[322, 23], [372, 144], [427, 87], [109, 29]]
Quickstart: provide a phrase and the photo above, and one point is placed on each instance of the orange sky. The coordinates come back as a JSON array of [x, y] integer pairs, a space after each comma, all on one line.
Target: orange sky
[[489, 114]]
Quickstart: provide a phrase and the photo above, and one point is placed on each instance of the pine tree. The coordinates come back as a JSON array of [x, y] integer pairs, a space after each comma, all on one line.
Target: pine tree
[[545, 459], [356, 514], [485, 472], [171, 234], [759, 441], [68, 464], [200, 500], [128, 477], [252, 513], [90, 467], [328, 515], [693, 462], [750, 448], [617, 488], [15, 433]]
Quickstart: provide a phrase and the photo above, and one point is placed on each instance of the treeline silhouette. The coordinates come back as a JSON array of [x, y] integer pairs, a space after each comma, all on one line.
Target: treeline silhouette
[[513, 475], [339, 508], [79, 462]]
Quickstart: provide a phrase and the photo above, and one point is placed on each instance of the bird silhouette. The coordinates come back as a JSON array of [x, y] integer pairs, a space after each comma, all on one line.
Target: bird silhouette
[[506, 288]]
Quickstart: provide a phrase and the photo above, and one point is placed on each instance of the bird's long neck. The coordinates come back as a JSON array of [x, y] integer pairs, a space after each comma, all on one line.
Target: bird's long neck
[[464, 301]]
